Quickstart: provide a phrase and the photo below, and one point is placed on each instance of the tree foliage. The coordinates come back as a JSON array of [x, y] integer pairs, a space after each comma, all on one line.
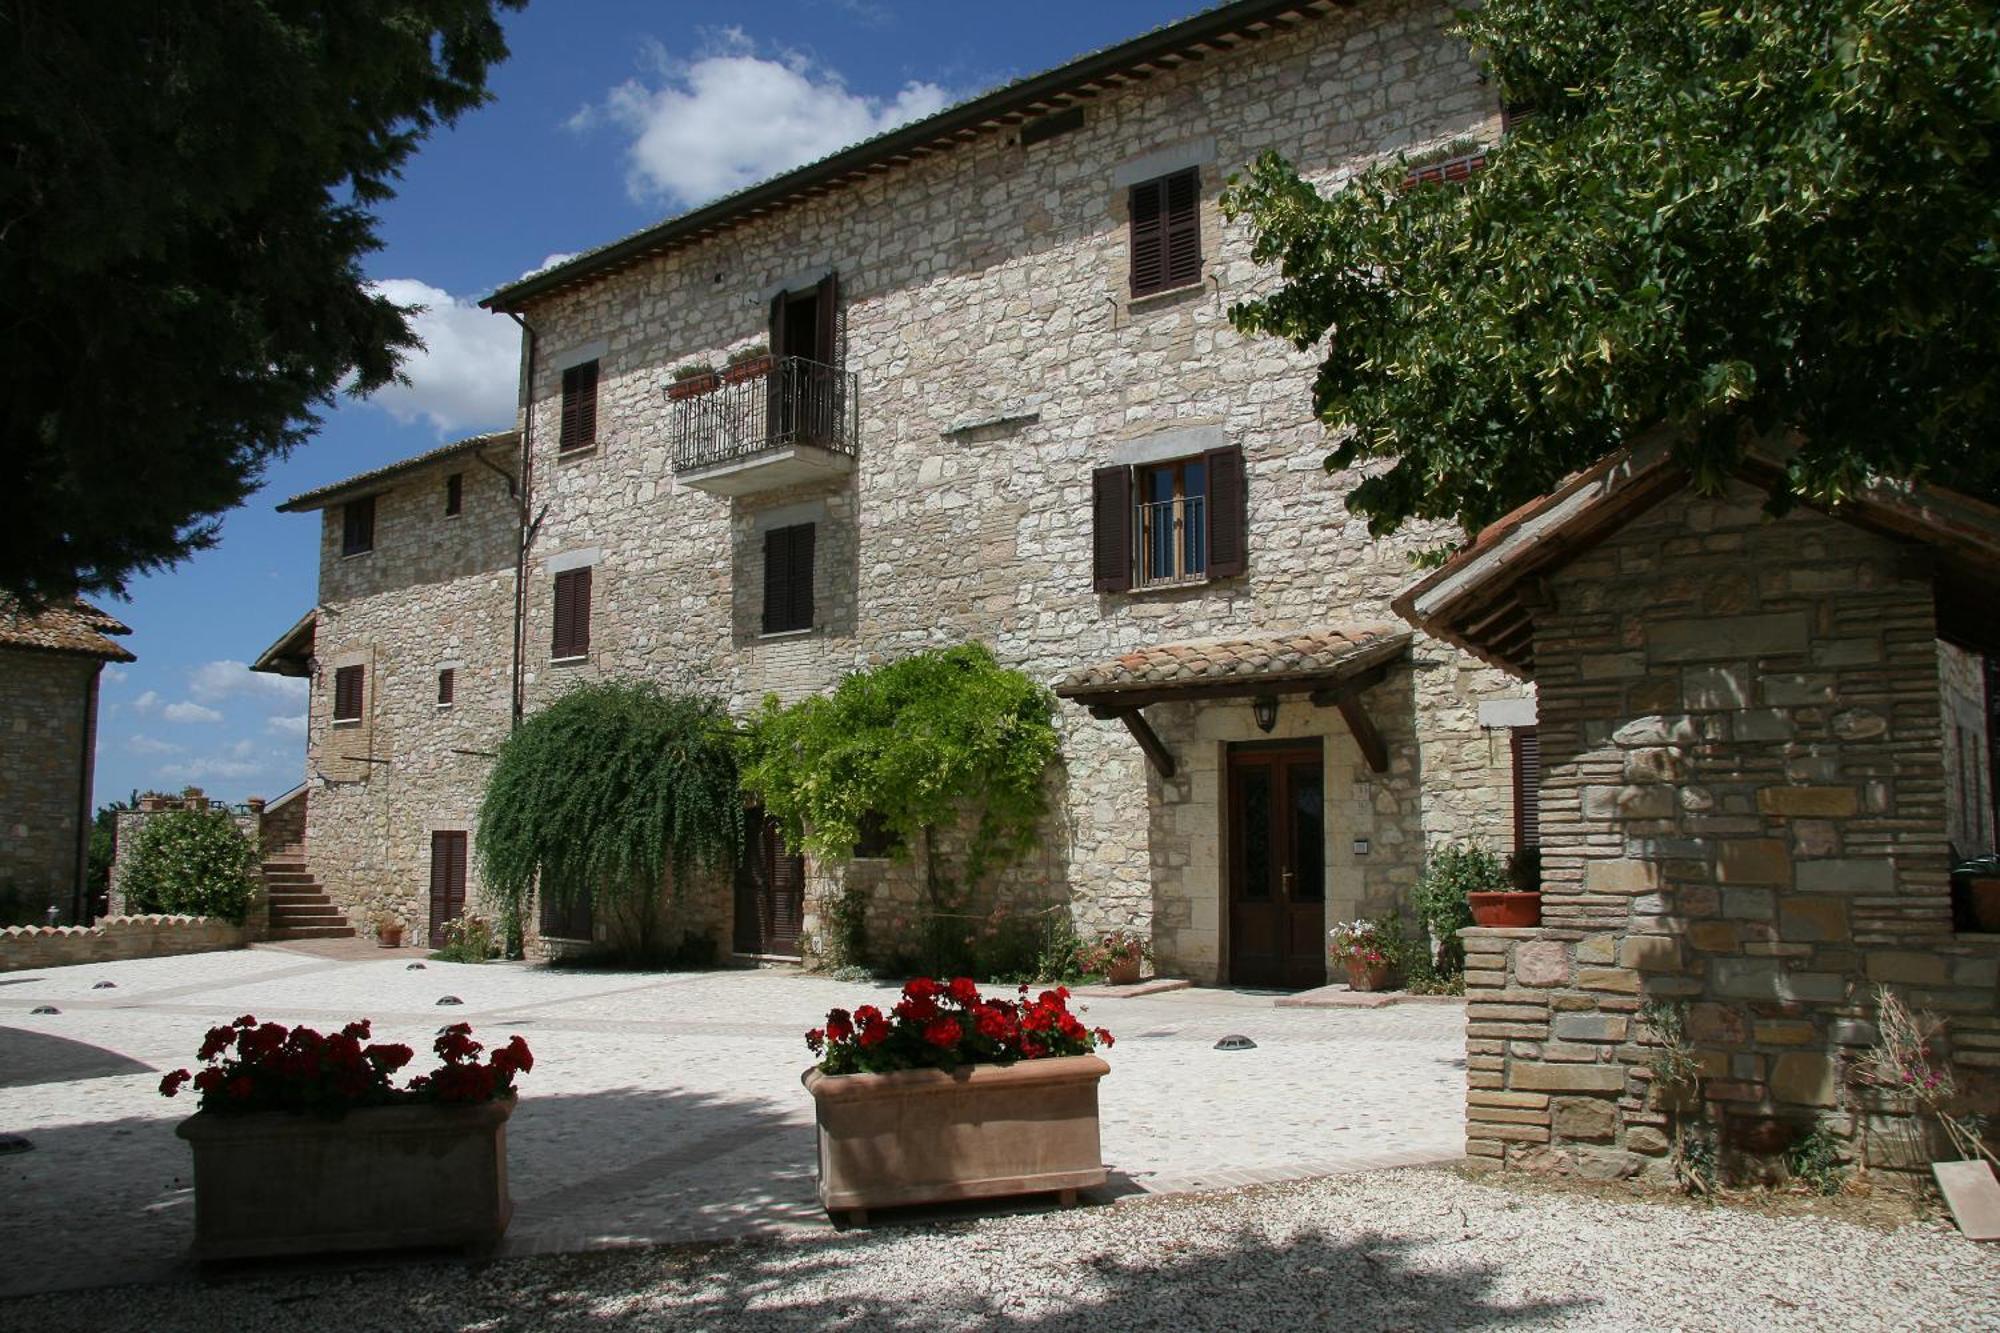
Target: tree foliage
[[185, 201], [612, 792], [191, 863], [939, 743], [1729, 223]]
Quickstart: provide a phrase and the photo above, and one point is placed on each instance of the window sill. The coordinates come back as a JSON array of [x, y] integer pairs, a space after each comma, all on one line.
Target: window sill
[[1166, 295], [581, 451], [356, 555], [569, 661], [786, 633], [444, 708], [345, 722]]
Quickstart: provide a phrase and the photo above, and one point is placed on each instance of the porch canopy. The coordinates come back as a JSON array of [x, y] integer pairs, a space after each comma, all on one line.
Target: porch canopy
[[1332, 666]]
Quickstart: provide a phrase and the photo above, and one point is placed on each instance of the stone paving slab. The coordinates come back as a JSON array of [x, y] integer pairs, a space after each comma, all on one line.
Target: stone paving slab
[[1346, 997], [662, 1108]]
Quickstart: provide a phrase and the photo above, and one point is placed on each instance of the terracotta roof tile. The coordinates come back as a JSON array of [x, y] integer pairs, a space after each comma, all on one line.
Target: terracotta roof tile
[[1299, 656], [75, 627]]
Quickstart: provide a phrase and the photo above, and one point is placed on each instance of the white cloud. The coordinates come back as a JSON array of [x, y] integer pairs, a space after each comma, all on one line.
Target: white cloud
[[189, 712], [464, 377], [115, 675], [287, 724], [214, 767], [549, 262], [732, 117], [146, 702], [215, 681], [142, 744]]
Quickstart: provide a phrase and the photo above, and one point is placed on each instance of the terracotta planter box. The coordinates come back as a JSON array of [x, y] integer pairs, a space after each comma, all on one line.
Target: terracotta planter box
[[388, 1177], [926, 1136], [693, 386], [1509, 909], [749, 368]]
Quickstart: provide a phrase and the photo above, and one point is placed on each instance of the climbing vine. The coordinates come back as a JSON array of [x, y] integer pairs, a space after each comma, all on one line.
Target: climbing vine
[[611, 794]]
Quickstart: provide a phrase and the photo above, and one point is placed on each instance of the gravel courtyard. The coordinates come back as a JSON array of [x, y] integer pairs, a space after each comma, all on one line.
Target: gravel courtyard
[[662, 1108]]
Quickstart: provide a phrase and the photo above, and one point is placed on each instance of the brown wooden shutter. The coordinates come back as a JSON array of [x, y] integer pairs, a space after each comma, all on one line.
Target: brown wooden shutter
[[788, 578], [1183, 229], [1111, 529], [778, 324], [357, 526], [447, 682], [349, 689], [572, 627], [1527, 787], [454, 493], [1147, 205], [1225, 506], [825, 310], [579, 407], [568, 436]]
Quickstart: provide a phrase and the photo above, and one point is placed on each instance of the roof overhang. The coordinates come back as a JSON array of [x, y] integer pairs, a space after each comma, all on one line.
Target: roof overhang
[[1485, 599], [368, 483], [292, 654], [1216, 32]]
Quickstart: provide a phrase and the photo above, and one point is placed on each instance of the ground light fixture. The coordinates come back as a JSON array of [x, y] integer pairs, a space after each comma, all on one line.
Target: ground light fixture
[[1264, 710]]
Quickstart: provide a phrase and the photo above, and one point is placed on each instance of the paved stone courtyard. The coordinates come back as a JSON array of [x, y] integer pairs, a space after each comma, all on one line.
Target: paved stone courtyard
[[661, 1107]]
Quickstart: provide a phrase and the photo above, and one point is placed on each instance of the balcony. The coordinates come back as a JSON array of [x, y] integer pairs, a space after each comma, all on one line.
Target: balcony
[[772, 424]]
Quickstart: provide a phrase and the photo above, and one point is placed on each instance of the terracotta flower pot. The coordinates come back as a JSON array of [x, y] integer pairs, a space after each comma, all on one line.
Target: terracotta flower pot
[[389, 937], [1367, 976], [384, 1177], [1506, 909], [928, 1136], [1984, 895], [1123, 970], [693, 386], [748, 369]]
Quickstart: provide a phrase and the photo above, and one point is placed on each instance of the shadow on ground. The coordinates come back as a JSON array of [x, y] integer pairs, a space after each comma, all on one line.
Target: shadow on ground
[[29, 1058]]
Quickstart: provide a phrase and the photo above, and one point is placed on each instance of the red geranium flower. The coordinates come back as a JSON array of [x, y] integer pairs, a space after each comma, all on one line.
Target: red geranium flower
[[944, 1033], [965, 990]]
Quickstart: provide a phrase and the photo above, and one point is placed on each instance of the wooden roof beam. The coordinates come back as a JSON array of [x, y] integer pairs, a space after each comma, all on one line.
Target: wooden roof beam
[[1142, 731]]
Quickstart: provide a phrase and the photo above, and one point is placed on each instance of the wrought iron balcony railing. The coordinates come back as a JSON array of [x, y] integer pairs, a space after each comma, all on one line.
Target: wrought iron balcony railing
[[754, 411]]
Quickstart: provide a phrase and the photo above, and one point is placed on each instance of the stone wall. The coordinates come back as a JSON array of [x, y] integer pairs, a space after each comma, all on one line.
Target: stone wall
[[1742, 812], [48, 704], [436, 592], [114, 939], [988, 285]]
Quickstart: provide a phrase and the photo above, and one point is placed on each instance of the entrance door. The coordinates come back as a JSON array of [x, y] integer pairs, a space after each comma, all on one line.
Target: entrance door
[[447, 882], [805, 389], [770, 890], [1277, 866]]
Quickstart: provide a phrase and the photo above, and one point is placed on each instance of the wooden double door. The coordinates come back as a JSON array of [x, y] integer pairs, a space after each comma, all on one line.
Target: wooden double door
[[770, 890], [1277, 866]]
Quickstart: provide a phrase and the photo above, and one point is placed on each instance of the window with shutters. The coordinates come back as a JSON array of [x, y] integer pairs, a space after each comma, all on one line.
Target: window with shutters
[[1165, 524], [1527, 743], [357, 526], [579, 408], [447, 687], [349, 683], [788, 579], [454, 494], [571, 639], [1165, 216]]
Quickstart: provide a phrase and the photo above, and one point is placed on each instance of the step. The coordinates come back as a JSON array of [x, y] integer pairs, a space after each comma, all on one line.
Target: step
[[312, 916], [311, 933]]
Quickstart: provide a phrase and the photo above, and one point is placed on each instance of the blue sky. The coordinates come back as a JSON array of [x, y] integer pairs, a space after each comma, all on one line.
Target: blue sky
[[610, 115]]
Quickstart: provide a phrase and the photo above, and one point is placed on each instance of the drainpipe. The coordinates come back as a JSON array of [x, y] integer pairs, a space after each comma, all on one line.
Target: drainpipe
[[525, 531]]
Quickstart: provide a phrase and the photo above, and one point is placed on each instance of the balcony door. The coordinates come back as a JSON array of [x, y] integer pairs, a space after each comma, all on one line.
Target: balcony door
[[1277, 866], [805, 388]]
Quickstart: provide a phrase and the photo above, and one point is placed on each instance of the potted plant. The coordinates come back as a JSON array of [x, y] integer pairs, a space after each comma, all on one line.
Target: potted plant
[[951, 1095], [691, 380], [388, 931], [1976, 884], [1116, 956], [1359, 946], [748, 364], [1474, 871], [303, 1144]]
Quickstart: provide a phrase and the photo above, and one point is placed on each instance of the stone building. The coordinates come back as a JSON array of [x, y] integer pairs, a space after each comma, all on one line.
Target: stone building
[[50, 661], [1758, 765], [410, 655], [975, 380]]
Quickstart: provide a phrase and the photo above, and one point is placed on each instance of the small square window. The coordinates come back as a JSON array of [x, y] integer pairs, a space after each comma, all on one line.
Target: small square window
[[357, 526], [579, 408], [788, 579], [876, 841], [349, 685], [572, 628], [447, 682], [454, 494], [1165, 232]]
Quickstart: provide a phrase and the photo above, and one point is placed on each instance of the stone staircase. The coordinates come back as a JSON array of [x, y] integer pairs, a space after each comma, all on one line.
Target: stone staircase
[[300, 909]]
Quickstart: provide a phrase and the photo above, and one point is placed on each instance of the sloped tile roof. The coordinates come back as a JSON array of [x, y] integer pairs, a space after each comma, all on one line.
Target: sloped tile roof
[[1299, 658], [364, 482], [73, 627]]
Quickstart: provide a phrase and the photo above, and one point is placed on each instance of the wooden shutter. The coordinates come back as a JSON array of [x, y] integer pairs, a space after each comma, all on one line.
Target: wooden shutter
[[788, 578], [1527, 787], [1225, 508], [1182, 229], [454, 493], [572, 627], [447, 882], [778, 325], [1111, 529], [826, 309], [1147, 206], [349, 687], [357, 526], [447, 682], [579, 407]]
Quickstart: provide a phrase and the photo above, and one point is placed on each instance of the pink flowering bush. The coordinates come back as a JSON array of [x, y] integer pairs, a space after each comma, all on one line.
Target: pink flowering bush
[[254, 1066], [939, 1025]]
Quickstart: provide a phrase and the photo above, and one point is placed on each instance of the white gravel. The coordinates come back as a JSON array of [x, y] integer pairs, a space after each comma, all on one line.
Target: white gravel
[[1415, 1250]]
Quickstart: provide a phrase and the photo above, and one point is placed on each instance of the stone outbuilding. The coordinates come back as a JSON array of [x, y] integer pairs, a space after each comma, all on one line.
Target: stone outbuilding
[[1763, 745], [50, 663]]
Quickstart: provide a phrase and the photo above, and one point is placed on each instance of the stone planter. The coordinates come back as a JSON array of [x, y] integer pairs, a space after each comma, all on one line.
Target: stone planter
[[386, 1177], [1367, 976], [927, 1136], [1503, 910]]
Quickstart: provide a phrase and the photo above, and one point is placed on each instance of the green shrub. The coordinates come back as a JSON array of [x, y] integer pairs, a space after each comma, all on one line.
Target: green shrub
[[467, 939], [192, 863], [1451, 872]]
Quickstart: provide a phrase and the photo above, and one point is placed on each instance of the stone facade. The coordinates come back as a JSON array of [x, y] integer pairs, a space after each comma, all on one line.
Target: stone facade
[[435, 593], [1743, 812], [48, 738]]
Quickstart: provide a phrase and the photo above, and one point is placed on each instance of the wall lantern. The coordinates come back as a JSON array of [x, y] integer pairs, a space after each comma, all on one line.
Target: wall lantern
[[1265, 711]]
